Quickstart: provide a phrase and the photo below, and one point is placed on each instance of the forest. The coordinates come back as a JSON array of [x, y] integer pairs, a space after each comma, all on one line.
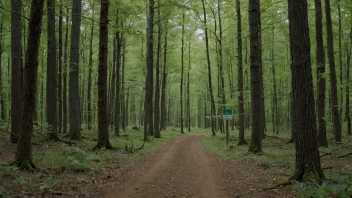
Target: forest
[[175, 98]]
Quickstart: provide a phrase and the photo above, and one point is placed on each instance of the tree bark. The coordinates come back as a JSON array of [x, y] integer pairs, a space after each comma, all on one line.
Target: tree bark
[[163, 85], [241, 140], [182, 70], [256, 83], [23, 157], [75, 118], [51, 89], [90, 64], [103, 135], [308, 165], [209, 71], [148, 105], [320, 58], [117, 117], [16, 69], [59, 79], [64, 77], [157, 81], [334, 99]]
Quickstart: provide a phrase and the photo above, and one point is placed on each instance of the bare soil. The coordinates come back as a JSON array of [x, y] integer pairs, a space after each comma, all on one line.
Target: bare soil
[[184, 168]]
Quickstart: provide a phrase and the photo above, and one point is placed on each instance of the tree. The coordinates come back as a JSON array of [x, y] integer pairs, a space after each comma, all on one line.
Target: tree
[[23, 157], [157, 80], [334, 100], [210, 86], [320, 57], [16, 69], [241, 139], [308, 165], [60, 69], [75, 118], [90, 63], [103, 135], [51, 89], [148, 104], [163, 86], [256, 80], [182, 69]]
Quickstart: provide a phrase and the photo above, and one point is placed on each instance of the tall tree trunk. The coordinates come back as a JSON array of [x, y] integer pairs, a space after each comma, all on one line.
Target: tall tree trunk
[[2, 92], [90, 64], [23, 157], [182, 69], [64, 77], [163, 85], [209, 71], [256, 83], [241, 140], [308, 165], [16, 69], [51, 94], [123, 92], [348, 117], [117, 117], [188, 88], [340, 57], [75, 118], [103, 135], [59, 87], [320, 57], [157, 81], [148, 105], [222, 81], [275, 108], [334, 101]]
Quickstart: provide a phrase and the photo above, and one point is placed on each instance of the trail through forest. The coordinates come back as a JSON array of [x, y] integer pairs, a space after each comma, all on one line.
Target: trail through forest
[[184, 168]]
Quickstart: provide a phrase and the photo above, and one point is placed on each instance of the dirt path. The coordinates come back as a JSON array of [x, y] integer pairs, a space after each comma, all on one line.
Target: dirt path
[[184, 168]]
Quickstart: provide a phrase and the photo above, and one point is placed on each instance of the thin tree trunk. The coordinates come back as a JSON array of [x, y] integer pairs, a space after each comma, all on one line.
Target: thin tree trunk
[[64, 77], [59, 87], [182, 70], [163, 85], [274, 109], [340, 57], [23, 157], [2, 93], [320, 58], [241, 140], [90, 64], [334, 100], [75, 118], [16, 70], [117, 117], [308, 165], [157, 81], [188, 87], [222, 81], [209, 71]]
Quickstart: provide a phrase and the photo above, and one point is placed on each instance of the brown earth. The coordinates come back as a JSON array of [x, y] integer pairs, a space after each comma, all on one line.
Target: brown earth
[[184, 168]]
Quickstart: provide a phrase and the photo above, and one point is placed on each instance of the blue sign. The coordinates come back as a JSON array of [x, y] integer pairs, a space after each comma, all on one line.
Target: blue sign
[[227, 114]]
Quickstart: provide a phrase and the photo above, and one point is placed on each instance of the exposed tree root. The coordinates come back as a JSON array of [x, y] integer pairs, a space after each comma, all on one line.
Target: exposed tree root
[[285, 183], [275, 137], [27, 165], [342, 156], [330, 152], [106, 145], [140, 147]]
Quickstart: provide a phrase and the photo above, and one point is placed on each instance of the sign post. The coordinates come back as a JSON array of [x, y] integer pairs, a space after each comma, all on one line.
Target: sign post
[[227, 115]]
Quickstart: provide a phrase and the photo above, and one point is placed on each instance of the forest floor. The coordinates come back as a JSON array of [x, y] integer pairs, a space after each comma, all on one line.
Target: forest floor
[[190, 165]]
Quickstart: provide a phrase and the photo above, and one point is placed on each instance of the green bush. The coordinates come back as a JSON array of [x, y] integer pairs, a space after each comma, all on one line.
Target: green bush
[[327, 189], [73, 159]]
